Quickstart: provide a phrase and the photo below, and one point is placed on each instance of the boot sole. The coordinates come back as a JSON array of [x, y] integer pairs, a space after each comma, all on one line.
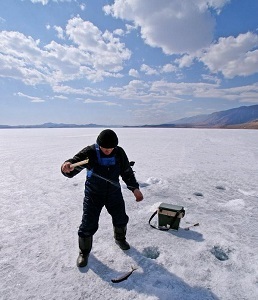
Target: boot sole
[[121, 246]]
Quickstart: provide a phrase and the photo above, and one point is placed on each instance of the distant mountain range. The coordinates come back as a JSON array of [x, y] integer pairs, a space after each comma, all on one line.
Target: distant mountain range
[[54, 125], [234, 116], [241, 117]]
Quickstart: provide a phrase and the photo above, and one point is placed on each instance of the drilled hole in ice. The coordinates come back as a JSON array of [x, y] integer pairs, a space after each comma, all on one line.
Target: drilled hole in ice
[[151, 252]]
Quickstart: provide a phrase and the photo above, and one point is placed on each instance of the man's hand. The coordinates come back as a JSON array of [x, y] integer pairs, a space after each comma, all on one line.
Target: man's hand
[[138, 195], [66, 167]]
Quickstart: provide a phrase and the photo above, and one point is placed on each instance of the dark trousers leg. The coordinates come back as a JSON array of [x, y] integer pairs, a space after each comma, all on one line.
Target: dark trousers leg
[[92, 207], [116, 208]]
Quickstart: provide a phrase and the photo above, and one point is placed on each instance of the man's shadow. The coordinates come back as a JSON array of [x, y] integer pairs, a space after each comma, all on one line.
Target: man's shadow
[[150, 279]]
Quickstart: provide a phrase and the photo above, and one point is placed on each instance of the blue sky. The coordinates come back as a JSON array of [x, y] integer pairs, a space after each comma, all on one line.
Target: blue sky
[[125, 62]]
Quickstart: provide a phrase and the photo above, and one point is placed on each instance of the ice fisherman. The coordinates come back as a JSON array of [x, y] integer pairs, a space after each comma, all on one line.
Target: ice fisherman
[[106, 162]]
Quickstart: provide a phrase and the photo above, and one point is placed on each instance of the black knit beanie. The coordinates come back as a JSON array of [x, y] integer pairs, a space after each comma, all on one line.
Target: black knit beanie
[[107, 139]]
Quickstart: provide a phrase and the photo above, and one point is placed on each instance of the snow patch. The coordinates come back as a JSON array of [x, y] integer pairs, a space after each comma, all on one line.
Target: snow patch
[[154, 207], [235, 204], [143, 184], [249, 193], [154, 180]]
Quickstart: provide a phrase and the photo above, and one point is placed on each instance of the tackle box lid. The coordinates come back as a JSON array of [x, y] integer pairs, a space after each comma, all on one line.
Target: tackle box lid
[[168, 206]]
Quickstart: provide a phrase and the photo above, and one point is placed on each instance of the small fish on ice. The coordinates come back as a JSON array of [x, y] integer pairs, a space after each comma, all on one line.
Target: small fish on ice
[[123, 277]]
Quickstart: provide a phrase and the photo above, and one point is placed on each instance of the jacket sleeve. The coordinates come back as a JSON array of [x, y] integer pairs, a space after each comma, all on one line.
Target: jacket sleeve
[[85, 153], [127, 172]]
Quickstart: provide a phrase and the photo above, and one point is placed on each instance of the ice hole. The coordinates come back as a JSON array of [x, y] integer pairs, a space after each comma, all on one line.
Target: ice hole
[[151, 252]]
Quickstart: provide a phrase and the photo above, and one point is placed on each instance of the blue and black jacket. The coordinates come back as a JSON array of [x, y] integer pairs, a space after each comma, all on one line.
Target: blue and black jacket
[[103, 171]]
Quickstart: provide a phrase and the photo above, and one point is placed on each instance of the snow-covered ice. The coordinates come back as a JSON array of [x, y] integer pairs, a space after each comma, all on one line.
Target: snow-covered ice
[[212, 173]]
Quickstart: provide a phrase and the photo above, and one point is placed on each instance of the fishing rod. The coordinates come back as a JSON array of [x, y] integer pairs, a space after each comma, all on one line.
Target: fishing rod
[[83, 162]]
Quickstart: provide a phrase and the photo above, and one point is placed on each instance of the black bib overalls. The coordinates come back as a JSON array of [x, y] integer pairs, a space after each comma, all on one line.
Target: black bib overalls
[[102, 188]]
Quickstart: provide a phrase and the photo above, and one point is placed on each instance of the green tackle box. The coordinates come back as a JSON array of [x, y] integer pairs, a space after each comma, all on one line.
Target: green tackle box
[[169, 215]]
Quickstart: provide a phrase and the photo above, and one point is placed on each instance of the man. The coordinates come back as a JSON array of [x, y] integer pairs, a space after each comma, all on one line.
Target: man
[[106, 161]]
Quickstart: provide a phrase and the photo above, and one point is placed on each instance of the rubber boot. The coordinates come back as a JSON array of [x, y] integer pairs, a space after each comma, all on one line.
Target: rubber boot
[[119, 235], [85, 245]]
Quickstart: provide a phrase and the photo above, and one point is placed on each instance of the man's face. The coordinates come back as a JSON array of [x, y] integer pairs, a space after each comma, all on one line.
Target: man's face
[[106, 151]]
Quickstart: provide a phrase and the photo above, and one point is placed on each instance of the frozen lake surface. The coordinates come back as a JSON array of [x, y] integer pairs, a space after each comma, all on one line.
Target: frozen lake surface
[[212, 173]]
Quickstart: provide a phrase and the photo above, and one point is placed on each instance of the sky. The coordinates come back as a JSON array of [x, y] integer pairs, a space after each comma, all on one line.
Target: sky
[[125, 62], [41, 210]]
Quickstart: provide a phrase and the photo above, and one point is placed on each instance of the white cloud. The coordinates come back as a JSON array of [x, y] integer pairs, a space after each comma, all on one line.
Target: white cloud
[[44, 2], [136, 90], [168, 68], [130, 28], [247, 93], [133, 73], [214, 4], [185, 61], [105, 102], [31, 98], [83, 6], [93, 55], [211, 78], [176, 26], [65, 89], [148, 70], [105, 50], [119, 32], [60, 97], [164, 92], [60, 32], [91, 101], [233, 56], [21, 58]]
